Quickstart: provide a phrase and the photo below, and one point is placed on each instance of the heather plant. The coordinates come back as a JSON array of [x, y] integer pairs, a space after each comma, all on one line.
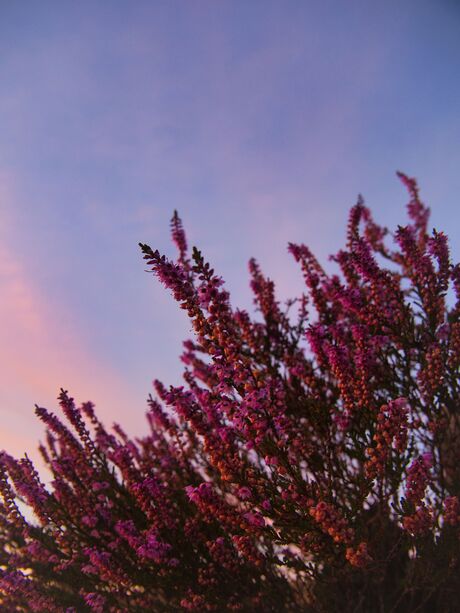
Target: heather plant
[[310, 461]]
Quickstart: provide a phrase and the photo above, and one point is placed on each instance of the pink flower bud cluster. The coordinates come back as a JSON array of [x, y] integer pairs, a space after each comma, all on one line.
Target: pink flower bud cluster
[[391, 433], [358, 556], [418, 476], [332, 522]]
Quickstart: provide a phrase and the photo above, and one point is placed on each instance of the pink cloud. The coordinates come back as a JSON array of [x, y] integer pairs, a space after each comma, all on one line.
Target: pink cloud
[[39, 353]]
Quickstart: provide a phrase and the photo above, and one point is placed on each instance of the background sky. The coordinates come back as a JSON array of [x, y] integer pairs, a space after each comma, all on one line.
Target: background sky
[[259, 121]]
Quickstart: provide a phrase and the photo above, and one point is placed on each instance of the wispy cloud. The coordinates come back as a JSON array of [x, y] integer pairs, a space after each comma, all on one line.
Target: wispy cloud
[[40, 352]]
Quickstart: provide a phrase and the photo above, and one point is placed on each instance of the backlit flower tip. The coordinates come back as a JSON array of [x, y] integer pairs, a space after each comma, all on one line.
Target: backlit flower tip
[[410, 183], [178, 235], [156, 416], [438, 247], [173, 276], [418, 212], [357, 213], [417, 477], [88, 409], [254, 519], [55, 425], [264, 292]]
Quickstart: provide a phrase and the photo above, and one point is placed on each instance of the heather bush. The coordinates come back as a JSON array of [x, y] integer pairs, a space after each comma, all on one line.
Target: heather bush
[[310, 461]]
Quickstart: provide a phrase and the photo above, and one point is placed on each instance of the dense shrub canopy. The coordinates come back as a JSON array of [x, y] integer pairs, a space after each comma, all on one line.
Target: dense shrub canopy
[[310, 461]]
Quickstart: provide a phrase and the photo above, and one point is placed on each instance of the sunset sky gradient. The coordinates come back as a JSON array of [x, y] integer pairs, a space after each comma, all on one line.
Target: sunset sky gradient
[[259, 121]]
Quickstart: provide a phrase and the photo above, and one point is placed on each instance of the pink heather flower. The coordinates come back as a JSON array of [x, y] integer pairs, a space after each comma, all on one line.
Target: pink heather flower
[[255, 519], [98, 486], [266, 505], [244, 493], [192, 493], [89, 520], [358, 557], [331, 521], [202, 492], [178, 235], [95, 601], [419, 522], [417, 478], [162, 522]]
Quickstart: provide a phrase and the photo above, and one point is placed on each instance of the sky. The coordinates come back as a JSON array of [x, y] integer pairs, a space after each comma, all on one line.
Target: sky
[[259, 121]]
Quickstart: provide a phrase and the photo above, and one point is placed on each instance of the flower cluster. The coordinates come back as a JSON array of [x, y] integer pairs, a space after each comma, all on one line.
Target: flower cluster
[[419, 522], [418, 475], [419, 519], [391, 432], [359, 557], [311, 450], [331, 522]]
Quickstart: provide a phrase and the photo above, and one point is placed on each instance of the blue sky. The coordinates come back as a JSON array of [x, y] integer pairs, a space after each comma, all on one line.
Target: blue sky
[[259, 121]]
